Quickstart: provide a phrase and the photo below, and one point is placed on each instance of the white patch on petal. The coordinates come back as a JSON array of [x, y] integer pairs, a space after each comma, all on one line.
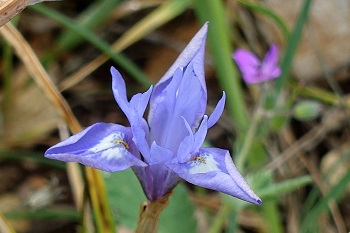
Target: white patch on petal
[[114, 153], [203, 163], [111, 146]]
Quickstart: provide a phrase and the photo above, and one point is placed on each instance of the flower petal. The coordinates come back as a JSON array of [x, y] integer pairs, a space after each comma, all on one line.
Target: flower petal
[[200, 135], [104, 146], [138, 103], [216, 114], [269, 65], [160, 154], [194, 52], [248, 64], [119, 91], [156, 180], [192, 142], [140, 132], [213, 168], [182, 98], [185, 148]]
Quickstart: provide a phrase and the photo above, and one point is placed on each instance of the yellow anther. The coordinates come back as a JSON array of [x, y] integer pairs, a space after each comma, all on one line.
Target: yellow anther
[[123, 143], [200, 159]]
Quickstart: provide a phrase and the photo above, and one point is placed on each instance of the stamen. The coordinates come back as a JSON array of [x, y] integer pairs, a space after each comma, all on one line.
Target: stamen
[[123, 143], [202, 163], [199, 158]]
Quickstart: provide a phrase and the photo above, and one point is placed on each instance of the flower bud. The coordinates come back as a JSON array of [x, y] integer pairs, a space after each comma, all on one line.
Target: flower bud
[[307, 110]]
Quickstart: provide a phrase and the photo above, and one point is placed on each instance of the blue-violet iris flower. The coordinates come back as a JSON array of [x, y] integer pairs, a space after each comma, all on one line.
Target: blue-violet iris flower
[[166, 147], [256, 71]]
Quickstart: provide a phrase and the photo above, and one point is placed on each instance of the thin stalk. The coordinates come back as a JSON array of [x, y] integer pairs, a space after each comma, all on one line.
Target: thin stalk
[[149, 215], [249, 139], [224, 212], [254, 124]]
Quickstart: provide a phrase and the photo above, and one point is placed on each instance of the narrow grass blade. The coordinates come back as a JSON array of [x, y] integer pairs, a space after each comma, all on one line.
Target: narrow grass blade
[[93, 16], [269, 13], [322, 206], [69, 214], [5, 227], [149, 23], [273, 191], [30, 156], [121, 60], [292, 46], [228, 76]]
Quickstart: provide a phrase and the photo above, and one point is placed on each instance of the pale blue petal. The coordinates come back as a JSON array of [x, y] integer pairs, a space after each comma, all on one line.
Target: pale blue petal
[[178, 100], [104, 146], [192, 143], [140, 132], [216, 114], [140, 101], [156, 180], [185, 149], [194, 52], [213, 168], [191, 101], [168, 93], [200, 135], [160, 154], [119, 91]]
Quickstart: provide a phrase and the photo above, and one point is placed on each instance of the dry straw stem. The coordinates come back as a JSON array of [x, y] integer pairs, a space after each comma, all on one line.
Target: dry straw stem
[[36, 70], [331, 121], [34, 67], [10, 8], [5, 227]]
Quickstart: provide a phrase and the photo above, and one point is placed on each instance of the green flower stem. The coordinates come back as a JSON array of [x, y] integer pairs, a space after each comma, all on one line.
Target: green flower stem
[[258, 114], [225, 210], [248, 140]]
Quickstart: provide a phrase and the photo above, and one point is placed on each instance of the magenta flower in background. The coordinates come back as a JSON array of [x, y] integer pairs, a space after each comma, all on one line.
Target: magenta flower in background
[[255, 71], [166, 147]]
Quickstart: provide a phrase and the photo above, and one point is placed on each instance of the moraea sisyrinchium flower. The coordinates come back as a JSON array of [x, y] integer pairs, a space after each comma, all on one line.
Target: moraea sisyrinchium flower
[[167, 147], [256, 71]]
